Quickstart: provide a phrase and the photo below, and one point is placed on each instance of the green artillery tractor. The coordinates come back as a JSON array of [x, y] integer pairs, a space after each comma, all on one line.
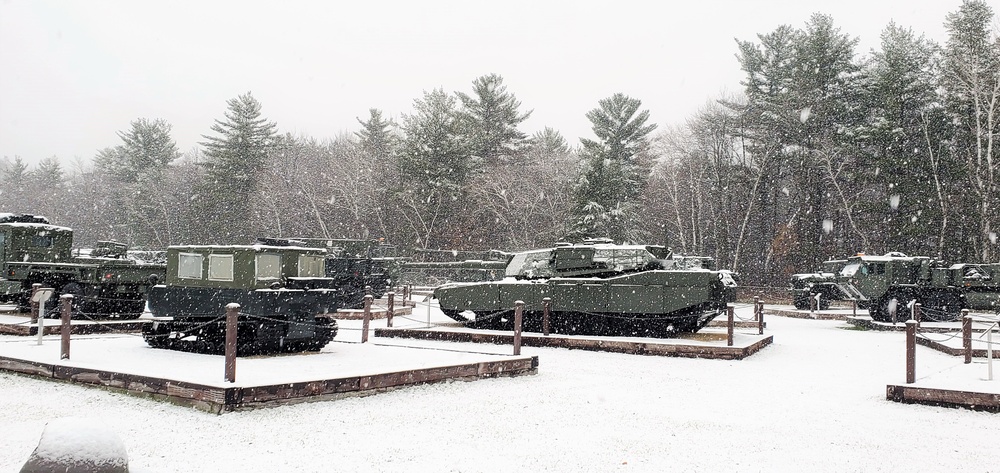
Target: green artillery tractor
[[286, 301]]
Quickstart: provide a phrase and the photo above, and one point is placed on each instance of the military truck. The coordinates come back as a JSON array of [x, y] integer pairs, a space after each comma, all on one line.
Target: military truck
[[888, 284], [597, 288], [105, 281], [286, 301]]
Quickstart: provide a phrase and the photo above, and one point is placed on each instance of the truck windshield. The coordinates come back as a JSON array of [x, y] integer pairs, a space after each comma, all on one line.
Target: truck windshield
[[850, 270]]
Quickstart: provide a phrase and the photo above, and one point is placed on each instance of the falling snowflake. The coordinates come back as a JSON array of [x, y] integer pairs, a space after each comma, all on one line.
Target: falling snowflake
[[804, 114]]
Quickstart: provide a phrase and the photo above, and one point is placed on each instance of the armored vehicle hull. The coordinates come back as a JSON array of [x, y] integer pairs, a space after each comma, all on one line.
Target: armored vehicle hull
[[607, 290], [286, 303]]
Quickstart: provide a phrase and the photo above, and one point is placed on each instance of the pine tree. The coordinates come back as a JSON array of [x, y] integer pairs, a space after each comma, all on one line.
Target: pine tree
[[547, 142], [379, 143], [435, 159], [376, 136], [906, 138], [491, 117], [236, 166], [614, 171], [971, 81], [146, 148], [803, 105], [15, 175], [134, 167]]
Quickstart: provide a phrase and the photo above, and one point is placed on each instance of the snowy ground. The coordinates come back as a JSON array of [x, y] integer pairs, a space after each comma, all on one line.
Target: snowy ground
[[812, 401]]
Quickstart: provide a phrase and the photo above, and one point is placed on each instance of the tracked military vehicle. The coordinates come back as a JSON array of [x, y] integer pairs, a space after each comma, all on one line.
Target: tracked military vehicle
[[106, 281], [286, 301], [597, 288], [889, 283]]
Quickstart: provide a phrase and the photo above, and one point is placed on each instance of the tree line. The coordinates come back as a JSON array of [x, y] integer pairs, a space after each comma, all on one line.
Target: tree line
[[824, 153]]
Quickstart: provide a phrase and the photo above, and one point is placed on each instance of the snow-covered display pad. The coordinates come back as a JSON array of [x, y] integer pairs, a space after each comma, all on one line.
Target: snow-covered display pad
[[339, 370]]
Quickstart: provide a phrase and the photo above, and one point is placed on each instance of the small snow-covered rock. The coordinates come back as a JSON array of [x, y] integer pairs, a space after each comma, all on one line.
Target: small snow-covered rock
[[75, 445]]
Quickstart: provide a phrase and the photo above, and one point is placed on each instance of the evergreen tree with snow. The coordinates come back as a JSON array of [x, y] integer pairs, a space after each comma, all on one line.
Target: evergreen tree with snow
[[614, 171], [490, 117], [237, 162], [377, 137], [147, 147], [434, 158], [971, 83], [136, 168]]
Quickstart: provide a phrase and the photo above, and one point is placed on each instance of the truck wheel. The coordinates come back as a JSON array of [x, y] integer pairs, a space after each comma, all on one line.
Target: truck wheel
[[801, 302], [877, 310]]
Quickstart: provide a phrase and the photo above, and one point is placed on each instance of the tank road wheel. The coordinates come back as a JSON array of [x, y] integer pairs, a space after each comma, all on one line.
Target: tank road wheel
[[455, 315], [157, 334], [894, 303], [801, 301], [824, 303]]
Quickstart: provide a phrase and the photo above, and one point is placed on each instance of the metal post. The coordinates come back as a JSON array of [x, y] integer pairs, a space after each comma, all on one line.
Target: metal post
[[33, 303], [40, 314], [232, 319], [967, 335], [916, 313], [389, 311], [812, 302], [729, 338], [42, 295], [911, 351], [854, 307], [518, 316], [760, 320], [546, 308], [67, 307], [367, 318], [989, 352]]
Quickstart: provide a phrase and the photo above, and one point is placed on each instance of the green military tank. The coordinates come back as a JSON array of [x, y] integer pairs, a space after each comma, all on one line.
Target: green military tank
[[597, 288], [286, 301]]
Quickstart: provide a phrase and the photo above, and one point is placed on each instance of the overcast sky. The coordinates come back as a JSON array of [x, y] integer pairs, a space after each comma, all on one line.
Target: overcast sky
[[74, 73]]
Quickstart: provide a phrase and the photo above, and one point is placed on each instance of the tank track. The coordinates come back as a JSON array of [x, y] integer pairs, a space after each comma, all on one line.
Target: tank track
[[253, 337], [577, 323]]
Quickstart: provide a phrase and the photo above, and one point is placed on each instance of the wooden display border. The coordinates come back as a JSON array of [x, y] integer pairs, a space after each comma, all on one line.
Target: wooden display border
[[219, 399]]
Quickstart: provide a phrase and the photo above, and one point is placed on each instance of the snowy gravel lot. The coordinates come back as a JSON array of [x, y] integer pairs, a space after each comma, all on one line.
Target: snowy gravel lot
[[812, 401]]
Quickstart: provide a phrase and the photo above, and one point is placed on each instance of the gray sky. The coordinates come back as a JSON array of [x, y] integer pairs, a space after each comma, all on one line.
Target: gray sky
[[74, 73]]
